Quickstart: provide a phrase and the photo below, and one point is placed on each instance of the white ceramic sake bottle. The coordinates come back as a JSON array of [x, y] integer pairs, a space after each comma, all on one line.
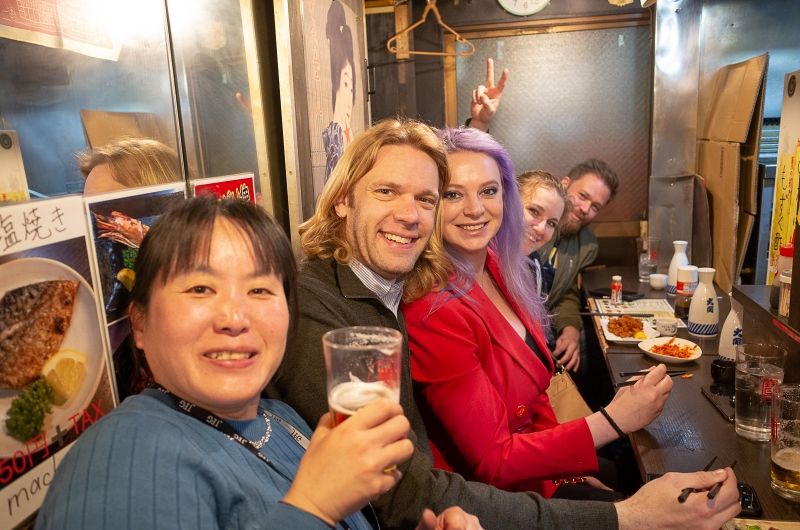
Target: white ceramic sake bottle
[[678, 258], [731, 334], [703, 318]]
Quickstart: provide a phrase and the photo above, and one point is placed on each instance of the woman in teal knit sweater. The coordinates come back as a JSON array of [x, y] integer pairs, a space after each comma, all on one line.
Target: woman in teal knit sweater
[[199, 448]]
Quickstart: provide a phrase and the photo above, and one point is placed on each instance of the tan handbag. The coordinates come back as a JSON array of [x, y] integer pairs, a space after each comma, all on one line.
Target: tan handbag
[[565, 399]]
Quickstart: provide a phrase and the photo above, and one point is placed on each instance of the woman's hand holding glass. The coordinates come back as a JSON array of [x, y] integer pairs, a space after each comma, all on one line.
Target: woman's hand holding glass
[[347, 466]]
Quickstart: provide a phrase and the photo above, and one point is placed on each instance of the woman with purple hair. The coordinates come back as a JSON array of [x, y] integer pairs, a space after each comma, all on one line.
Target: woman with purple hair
[[479, 354]]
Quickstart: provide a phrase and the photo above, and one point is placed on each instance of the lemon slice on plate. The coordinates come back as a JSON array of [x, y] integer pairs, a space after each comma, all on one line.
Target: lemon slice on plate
[[65, 372], [127, 277]]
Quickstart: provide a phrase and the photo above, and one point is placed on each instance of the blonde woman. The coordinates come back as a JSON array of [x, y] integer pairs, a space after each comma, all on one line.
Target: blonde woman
[[544, 202], [128, 163]]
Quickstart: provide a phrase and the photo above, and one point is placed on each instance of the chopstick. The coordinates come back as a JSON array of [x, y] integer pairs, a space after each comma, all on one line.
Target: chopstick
[[713, 491], [685, 492], [601, 314], [645, 372], [633, 381]]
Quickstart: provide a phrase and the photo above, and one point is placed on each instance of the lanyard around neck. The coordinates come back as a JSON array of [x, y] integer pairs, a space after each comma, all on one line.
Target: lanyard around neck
[[215, 422]]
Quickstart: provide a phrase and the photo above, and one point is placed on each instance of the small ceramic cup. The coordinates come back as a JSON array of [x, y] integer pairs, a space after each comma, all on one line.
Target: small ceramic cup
[[658, 281], [723, 371], [667, 326]]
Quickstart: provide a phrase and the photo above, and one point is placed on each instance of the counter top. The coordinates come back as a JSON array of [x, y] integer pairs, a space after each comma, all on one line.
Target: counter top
[[755, 301], [690, 430]]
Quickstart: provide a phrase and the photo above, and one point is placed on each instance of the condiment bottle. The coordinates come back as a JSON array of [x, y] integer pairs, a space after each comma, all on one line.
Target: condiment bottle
[[616, 289], [785, 257], [684, 289]]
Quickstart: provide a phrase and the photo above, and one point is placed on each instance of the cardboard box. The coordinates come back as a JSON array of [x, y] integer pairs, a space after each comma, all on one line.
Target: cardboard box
[[735, 95], [727, 159], [702, 249], [718, 164], [101, 127]]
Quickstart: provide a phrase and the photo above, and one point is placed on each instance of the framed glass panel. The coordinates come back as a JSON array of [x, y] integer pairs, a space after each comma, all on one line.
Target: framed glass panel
[[78, 74], [213, 87]]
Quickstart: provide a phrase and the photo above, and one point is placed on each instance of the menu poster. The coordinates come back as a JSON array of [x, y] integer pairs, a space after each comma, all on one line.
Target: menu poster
[[658, 307], [85, 26], [241, 186], [50, 338], [118, 223]]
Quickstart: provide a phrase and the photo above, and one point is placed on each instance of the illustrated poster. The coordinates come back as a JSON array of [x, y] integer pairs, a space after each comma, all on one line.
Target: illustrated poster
[[118, 223], [333, 35], [50, 338], [240, 186]]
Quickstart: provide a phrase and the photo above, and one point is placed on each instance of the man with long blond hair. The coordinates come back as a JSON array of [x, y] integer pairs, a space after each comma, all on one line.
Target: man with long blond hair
[[375, 238], [327, 234]]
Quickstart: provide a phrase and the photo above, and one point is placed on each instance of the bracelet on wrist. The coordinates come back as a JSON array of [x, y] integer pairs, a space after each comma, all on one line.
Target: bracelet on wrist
[[573, 480], [611, 422]]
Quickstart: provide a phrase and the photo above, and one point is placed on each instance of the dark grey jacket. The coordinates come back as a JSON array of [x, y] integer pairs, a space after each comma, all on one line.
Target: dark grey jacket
[[575, 252], [330, 296]]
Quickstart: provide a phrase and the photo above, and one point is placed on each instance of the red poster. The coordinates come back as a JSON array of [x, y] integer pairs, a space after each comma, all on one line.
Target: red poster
[[240, 186]]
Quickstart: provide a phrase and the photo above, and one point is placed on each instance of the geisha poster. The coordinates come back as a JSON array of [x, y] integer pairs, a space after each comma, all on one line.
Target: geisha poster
[[118, 223], [334, 55], [52, 349]]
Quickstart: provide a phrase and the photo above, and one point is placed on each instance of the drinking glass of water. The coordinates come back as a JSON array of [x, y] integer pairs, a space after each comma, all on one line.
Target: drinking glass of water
[[647, 253], [759, 369]]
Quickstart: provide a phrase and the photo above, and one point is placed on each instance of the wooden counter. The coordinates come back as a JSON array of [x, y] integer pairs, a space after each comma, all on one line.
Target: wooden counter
[[690, 430], [762, 324]]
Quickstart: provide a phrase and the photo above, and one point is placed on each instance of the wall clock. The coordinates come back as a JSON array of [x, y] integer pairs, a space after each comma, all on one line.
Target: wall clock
[[523, 8]]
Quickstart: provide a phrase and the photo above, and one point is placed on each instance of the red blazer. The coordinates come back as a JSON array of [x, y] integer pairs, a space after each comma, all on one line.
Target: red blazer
[[483, 394]]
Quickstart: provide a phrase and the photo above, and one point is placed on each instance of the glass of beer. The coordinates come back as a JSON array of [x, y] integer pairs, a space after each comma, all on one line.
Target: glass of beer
[[785, 437], [363, 364], [759, 369]]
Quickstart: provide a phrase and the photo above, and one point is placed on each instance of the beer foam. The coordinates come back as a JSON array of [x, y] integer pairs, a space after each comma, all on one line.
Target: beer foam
[[369, 341], [350, 396], [788, 458]]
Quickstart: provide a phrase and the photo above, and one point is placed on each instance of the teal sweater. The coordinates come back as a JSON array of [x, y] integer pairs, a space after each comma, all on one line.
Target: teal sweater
[[146, 465]]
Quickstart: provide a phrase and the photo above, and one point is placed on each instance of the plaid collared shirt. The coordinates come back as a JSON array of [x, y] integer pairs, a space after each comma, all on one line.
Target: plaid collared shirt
[[390, 292]]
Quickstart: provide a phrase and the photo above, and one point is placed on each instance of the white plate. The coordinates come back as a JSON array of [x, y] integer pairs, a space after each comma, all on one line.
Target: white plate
[[647, 345], [649, 331], [83, 335]]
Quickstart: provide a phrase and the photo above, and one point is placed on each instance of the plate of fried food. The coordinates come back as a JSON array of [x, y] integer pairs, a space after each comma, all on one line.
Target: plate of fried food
[[51, 351], [626, 328], [671, 350]]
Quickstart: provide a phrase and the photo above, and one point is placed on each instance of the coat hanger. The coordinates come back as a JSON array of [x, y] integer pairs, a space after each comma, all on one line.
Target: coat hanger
[[391, 44]]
